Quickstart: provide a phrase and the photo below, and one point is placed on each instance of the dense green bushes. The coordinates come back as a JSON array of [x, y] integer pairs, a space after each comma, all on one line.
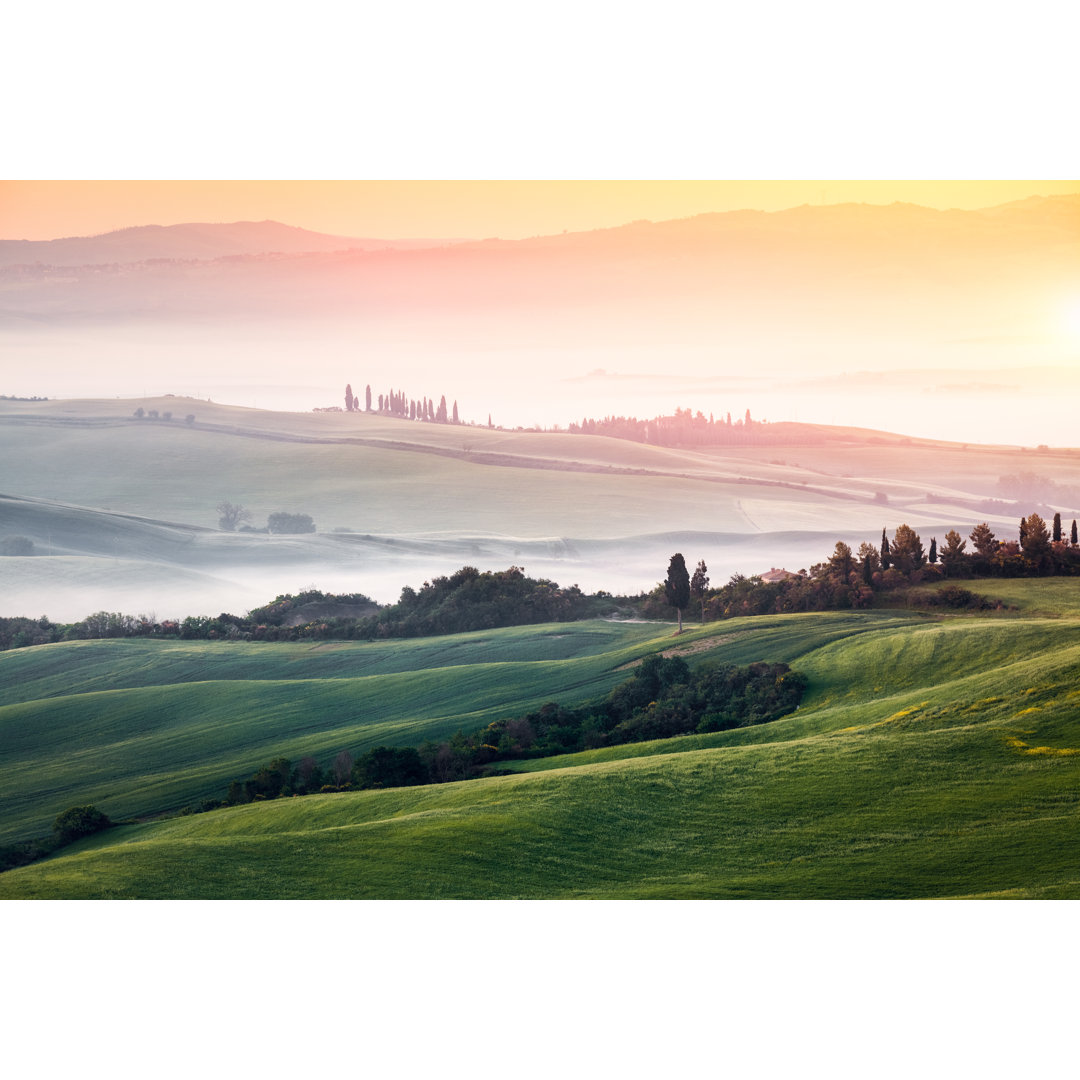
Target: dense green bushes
[[79, 821], [663, 698]]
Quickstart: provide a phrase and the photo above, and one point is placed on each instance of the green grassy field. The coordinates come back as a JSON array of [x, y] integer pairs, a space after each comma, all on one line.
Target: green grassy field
[[143, 727], [932, 757]]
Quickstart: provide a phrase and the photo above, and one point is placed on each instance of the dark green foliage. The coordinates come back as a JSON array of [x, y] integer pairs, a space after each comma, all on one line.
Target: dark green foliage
[[268, 783], [79, 821], [390, 766], [952, 596], [663, 698], [18, 632], [471, 600], [699, 583], [677, 585]]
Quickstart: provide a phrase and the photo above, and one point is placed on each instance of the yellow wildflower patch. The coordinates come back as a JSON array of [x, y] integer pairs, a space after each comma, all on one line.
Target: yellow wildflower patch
[[1043, 751]]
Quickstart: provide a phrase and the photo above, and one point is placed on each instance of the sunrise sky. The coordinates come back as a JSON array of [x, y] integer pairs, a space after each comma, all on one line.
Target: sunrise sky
[[510, 209]]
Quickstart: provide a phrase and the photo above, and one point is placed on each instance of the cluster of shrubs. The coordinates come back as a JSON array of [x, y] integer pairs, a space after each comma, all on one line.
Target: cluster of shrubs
[[73, 824], [466, 600], [663, 698]]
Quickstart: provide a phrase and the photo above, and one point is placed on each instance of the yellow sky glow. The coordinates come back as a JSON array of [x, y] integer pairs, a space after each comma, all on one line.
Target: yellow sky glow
[[43, 210]]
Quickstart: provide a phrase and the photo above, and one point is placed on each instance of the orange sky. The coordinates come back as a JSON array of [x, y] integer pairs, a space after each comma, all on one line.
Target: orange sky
[[43, 210]]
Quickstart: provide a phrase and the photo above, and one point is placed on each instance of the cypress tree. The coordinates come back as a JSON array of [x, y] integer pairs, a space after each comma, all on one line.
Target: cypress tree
[[350, 401], [367, 397], [932, 556], [1057, 528], [885, 560], [1073, 537], [677, 585]]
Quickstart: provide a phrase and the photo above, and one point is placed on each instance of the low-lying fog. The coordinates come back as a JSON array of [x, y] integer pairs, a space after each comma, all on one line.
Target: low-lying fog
[[67, 589]]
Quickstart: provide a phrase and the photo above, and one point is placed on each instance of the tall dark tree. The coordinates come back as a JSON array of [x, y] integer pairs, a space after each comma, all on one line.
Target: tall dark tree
[[677, 585], [350, 401], [869, 562], [699, 583], [841, 562], [885, 560], [952, 554], [1073, 537], [456, 420], [1035, 541], [932, 554], [906, 550], [983, 539], [367, 397], [1057, 528]]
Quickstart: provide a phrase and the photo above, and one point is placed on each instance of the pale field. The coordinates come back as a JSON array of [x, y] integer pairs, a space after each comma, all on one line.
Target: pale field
[[127, 509]]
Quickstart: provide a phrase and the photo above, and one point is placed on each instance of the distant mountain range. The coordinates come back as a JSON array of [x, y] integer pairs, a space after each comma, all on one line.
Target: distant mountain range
[[1033, 223], [190, 241]]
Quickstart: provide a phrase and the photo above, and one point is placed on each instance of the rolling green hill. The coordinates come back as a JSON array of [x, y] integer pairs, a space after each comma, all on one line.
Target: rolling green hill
[[931, 757]]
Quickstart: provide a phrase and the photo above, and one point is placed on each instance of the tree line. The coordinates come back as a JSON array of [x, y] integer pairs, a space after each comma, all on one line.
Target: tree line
[[466, 600], [848, 579], [662, 699], [398, 403]]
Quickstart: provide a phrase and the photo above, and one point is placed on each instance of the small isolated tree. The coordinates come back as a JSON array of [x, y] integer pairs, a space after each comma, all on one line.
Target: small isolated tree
[[699, 583], [350, 401], [139, 413], [78, 821], [189, 419], [231, 516], [677, 585]]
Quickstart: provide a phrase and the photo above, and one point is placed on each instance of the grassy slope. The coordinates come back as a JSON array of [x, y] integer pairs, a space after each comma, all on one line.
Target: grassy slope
[[140, 727], [931, 758]]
